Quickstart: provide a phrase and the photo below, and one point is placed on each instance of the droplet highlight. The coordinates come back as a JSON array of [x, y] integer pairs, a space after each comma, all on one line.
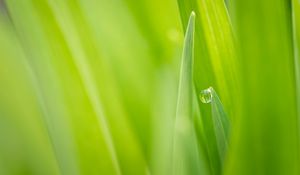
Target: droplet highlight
[[206, 95]]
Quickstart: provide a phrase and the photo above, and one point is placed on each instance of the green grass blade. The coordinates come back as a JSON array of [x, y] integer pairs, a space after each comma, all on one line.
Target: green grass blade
[[216, 65], [48, 96], [131, 91], [266, 141], [122, 144], [69, 108], [186, 158], [220, 120], [296, 42], [25, 147], [221, 125], [163, 122], [186, 73], [80, 59]]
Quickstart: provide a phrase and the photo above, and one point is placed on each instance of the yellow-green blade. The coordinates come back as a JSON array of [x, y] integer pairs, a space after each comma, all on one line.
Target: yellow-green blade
[[25, 146], [216, 65], [220, 119], [186, 157], [66, 95], [163, 123], [296, 47], [266, 141]]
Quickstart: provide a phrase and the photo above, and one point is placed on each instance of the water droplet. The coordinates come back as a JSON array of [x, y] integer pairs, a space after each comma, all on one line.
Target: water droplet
[[206, 95]]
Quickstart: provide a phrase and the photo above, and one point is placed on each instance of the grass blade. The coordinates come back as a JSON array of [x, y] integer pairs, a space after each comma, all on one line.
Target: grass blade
[[81, 63], [163, 123], [267, 135], [220, 120], [65, 97], [296, 44], [215, 56], [186, 158], [25, 147], [122, 144], [216, 65]]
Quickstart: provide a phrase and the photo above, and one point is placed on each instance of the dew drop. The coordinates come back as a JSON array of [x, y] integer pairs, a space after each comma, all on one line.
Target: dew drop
[[206, 95]]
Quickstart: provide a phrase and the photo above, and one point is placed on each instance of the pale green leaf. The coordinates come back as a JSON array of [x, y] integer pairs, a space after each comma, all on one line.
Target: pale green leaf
[[266, 140], [186, 157], [220, 119], [216, 65], [296, 42]]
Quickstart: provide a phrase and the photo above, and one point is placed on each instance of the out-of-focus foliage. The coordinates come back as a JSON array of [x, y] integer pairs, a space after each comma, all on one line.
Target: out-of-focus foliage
[[120, 87]]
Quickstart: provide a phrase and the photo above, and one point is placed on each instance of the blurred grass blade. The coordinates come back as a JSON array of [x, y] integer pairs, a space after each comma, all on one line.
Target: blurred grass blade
[[129, 94], [25, 146], [49, 97], [216, 65], [163, 122], [123, 147], [267, 135], [74, 128], [220, 120], [186, 158], [296, 42], [80, 60]]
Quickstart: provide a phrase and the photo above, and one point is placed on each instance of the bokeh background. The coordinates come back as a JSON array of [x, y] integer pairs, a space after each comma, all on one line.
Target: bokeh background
[[92, 87]]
